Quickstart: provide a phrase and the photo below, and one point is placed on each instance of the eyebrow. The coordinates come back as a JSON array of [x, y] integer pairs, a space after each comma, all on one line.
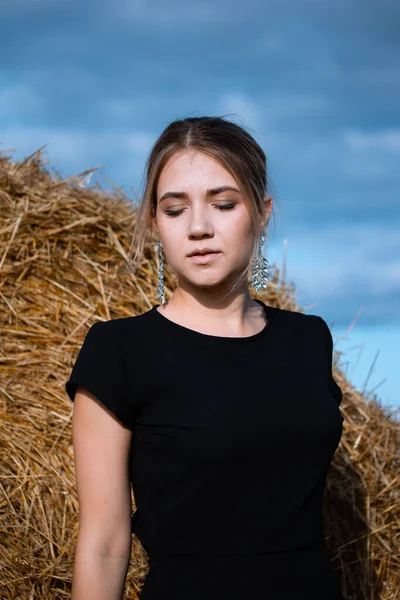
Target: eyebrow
[[210, 192]]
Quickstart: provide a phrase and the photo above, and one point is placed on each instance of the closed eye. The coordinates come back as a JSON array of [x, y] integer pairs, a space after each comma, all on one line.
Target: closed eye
[[175, 213], [226, 206]]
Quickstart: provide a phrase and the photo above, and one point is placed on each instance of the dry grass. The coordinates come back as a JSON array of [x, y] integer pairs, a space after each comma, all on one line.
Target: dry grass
[[61, 246]]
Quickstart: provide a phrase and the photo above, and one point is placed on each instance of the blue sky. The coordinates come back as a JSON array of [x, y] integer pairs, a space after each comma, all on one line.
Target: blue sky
[[316, 82]]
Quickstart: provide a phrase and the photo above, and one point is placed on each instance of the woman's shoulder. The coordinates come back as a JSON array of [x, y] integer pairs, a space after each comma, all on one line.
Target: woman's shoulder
[[119, 325], [129, 331], [292, 324], [293, 317]]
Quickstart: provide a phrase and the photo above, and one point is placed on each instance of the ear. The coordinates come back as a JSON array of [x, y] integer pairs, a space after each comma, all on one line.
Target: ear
[[268, 205]]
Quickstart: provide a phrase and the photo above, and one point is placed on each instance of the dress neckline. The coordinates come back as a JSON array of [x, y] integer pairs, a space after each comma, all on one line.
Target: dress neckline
[[269, 312]]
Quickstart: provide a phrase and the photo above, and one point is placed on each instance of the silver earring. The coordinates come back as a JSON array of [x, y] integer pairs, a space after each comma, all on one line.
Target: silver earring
[[160, 287], [260, 268]]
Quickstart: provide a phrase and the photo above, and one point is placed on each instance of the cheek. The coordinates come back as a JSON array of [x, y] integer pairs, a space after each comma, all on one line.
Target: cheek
[[172, 233], [175, 244], [239, 230], [241, 221]]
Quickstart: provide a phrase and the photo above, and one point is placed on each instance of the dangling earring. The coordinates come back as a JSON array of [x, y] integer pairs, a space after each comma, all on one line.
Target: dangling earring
[[160, 287], [260, 268]]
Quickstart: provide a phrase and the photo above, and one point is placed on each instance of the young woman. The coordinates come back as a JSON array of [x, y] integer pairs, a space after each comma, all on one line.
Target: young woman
[[220, 410]]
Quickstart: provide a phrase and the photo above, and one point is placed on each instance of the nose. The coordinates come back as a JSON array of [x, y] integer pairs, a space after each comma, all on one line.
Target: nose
[[199, 223]]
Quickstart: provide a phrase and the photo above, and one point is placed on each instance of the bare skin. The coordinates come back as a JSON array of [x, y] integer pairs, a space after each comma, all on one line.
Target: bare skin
[[101, 443], [199, 222], [101, 449]]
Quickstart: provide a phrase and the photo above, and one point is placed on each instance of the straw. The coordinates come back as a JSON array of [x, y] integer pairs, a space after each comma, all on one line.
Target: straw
[[61, 246]]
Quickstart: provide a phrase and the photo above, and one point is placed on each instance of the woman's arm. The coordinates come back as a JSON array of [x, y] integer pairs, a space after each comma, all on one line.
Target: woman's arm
[[101, 446]]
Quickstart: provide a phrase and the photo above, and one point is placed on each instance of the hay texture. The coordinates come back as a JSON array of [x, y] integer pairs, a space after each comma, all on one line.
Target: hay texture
[[62, 244]]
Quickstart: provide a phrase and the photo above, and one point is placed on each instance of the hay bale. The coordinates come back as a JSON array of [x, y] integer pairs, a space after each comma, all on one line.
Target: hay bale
[[62, 245]]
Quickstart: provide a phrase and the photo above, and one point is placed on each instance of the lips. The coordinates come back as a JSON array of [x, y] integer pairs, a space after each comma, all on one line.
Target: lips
[[204, 258], [202, 251]]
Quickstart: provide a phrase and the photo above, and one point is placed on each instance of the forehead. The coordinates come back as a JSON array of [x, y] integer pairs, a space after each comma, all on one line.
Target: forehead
[[190, 169]]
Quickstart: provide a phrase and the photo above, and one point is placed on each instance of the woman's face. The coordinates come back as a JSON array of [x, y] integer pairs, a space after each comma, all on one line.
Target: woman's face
[[199, 205]]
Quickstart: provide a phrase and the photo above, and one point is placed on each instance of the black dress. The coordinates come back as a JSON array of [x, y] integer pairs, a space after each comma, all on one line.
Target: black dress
[[232, 440]]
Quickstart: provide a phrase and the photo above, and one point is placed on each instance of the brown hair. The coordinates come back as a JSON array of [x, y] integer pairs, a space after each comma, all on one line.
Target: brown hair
[[228, 143]]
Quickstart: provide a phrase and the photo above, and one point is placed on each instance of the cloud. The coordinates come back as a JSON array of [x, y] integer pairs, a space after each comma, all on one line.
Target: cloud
[[10, 8], [356, 263], [387, 140], [372, 156], [338, 157], [246, 111], [20, 100], [209, 13], [73, 151]]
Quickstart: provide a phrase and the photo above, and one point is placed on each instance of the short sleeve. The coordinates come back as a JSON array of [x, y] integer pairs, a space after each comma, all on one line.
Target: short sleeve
[[100, 368], [333, 386]]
